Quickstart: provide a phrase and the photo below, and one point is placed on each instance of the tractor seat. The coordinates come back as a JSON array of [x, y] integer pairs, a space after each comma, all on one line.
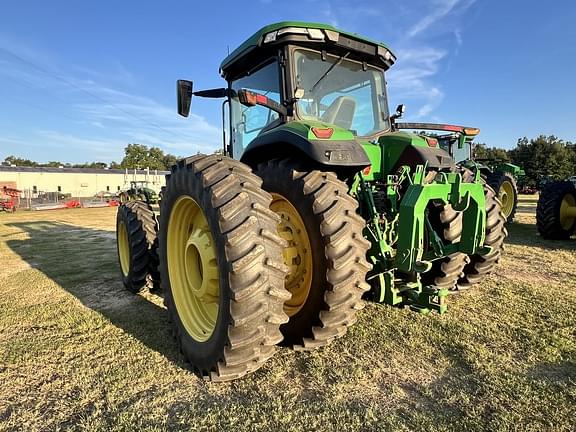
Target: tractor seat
[[340, 112]]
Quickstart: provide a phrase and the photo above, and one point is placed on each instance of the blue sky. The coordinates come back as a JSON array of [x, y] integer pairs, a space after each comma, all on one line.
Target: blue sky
[[79, 80]]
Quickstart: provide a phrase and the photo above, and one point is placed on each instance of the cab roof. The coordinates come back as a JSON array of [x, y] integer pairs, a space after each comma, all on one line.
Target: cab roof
[[307, 32]]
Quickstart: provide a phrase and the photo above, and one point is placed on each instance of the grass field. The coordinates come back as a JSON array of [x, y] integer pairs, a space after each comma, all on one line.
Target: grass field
[[77, 352]]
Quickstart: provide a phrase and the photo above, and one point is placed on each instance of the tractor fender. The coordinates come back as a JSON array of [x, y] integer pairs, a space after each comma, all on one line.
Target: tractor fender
[[434, 158], [284, 143]]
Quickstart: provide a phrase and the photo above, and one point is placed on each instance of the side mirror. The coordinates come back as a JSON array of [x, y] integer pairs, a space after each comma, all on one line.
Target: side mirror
[[184, 92], [400, 109]]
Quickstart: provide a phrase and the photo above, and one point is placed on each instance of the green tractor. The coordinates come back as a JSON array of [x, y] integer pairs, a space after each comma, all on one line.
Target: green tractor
[[556, 210], [139, 191], [457, 141], [317, 202]]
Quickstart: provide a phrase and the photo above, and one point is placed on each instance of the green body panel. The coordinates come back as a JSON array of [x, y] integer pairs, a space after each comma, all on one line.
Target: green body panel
[[374, 152], [304, 129], [465, 197], [254, 41], [515, 170], [394, 144]]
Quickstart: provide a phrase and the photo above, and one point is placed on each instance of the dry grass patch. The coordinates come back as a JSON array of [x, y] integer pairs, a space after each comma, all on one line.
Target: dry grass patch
[[77, 352]]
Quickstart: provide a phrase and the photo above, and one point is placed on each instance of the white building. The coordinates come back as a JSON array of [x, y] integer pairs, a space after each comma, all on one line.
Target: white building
[[77, 182]]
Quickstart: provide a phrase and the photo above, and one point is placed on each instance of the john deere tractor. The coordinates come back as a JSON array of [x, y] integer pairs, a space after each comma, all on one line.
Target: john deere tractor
[[556, 211], [139, 191], [317, 202], [457, 141]]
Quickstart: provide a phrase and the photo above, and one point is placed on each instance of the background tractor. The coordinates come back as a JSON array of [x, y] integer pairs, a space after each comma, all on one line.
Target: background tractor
[[317, 201], [457, 141], [556, 210], [139, 191]]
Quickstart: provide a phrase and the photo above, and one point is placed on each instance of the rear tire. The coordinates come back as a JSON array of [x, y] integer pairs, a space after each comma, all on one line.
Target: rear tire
[[136, 229], [446, 271], [549, 219], [225, 292], [481, 266], [338, 252], [504, 184]]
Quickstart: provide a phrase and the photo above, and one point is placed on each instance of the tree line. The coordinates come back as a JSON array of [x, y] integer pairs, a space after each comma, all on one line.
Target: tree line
[[543, 157], [136, 156]]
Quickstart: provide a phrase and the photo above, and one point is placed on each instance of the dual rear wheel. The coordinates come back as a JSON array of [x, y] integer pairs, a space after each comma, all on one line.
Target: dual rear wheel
[[251, 260]]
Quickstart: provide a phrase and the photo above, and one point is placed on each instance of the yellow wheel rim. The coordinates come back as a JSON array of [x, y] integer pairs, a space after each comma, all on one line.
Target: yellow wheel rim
[[297, 255], [506, 196], [193, 269], [567, 211], [123, 248]]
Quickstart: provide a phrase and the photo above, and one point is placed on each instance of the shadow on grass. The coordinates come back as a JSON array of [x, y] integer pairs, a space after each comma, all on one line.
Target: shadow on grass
[[526, 234], [83, 261]]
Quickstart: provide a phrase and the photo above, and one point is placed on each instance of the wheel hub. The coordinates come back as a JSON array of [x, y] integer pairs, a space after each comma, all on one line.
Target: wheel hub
[[297, 255], [201, 267], [506, 196], [567, 211], [123, 248], [193, 268]]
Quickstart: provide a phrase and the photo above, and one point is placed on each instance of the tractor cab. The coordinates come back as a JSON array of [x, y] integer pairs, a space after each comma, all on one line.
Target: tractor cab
[[294, 82], [323, 77]]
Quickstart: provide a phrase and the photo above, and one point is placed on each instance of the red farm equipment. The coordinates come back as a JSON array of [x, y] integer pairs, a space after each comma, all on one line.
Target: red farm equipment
[[9, 199]]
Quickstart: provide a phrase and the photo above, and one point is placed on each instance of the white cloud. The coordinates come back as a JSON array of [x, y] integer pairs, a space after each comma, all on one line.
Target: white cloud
[[411, 80], [440, 8], [109, 118]]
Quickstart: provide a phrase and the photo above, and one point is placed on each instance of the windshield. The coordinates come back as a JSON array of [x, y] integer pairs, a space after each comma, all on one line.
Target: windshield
[[339, 91]]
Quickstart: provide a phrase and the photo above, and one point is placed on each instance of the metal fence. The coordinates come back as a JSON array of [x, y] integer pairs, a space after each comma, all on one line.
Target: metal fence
[[47, 200]]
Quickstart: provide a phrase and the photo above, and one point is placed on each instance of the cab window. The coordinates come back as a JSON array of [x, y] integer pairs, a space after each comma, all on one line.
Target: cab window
[[248, 122]]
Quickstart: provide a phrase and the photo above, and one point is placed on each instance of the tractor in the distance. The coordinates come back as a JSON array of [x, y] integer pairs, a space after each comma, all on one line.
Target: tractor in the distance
[[139, 190], [503, 177], [317, 202]]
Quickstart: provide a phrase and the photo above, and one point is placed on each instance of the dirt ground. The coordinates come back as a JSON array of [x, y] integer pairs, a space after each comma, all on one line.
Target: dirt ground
[[78, 352]]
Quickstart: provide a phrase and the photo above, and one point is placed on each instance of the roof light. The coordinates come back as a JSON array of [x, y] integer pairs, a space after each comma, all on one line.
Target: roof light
[[312, 33], [270, 37], [322, 133], [471, 131], [315, 34]]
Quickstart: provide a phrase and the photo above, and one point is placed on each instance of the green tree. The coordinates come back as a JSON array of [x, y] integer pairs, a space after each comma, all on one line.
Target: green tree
[[141, 157], [13, 160], [544, 156], [169, 160], [483, 152]]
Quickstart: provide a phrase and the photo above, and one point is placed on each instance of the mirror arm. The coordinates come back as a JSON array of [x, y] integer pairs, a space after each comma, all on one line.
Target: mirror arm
[[212, 93]]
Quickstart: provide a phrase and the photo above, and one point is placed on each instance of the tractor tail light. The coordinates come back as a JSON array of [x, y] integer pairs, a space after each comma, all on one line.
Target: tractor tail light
[[366, 171], [323, 133]]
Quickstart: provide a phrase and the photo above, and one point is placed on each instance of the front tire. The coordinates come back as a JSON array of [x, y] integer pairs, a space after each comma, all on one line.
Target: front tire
[[221, 266], [326, 251]]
